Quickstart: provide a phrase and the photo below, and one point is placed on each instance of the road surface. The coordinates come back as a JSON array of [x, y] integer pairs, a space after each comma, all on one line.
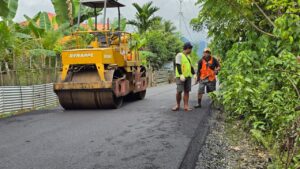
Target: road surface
[[141, 135]]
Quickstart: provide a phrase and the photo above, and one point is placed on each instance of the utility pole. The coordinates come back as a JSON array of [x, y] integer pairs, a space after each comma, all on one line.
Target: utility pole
[[180, 15], [182, 20]]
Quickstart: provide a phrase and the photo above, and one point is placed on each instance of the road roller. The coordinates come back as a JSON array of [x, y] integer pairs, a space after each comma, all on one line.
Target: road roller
[[102, 71]]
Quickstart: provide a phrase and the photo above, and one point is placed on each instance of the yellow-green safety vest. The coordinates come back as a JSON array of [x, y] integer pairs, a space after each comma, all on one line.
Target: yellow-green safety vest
[[186, 67]]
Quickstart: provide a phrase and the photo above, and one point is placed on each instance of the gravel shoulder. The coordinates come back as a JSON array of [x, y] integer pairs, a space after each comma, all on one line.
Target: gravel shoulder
[[227, 146]]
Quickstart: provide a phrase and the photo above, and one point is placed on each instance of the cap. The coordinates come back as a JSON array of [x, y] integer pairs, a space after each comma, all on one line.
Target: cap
[[187, 45], [207, 50]]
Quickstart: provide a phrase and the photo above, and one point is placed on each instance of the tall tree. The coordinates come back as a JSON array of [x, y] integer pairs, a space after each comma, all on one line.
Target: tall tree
[[144, 17]]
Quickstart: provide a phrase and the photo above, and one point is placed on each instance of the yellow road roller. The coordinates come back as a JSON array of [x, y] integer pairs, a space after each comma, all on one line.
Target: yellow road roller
[[103, 71]]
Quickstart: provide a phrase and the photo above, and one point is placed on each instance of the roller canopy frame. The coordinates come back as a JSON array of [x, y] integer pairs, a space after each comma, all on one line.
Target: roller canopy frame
[[101, 3]]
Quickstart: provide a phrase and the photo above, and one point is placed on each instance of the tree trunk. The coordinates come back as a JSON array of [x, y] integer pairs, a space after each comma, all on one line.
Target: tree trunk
[[7, 70], [1, 74], [49, 62]]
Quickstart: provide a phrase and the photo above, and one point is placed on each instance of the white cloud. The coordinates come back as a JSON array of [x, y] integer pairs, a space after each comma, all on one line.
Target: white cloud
[[32, 7]]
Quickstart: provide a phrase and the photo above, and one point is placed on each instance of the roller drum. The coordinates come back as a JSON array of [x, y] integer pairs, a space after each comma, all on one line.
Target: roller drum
[[87, 98]]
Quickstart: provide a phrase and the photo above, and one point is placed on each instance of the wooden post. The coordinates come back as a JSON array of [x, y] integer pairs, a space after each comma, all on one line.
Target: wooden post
[[1, 74], [14, 62], [30, 62], [44, 61], [20, 89], [27, 78], [49, 70], [153, 77], [149, 78], [55, 70], [7, 71], [50, 62]]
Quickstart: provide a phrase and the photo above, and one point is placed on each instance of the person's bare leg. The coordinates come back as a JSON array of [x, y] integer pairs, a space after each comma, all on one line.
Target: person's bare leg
[[186, 101], [200, 99], [178, 100]]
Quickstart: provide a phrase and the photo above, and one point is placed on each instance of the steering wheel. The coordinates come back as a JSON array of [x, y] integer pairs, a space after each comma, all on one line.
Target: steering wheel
[[115, 36]]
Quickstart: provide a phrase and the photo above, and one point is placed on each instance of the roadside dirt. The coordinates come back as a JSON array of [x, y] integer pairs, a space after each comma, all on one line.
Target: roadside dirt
[[228, 147]]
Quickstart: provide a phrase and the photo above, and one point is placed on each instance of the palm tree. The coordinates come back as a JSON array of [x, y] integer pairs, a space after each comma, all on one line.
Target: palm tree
[[144, 18], [169, 27]]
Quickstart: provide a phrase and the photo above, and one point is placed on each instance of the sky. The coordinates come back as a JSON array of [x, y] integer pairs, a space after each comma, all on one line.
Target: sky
[[169, 9]]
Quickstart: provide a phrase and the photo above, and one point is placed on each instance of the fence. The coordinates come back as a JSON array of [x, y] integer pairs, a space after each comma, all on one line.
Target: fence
[[160, 77], [28, 77], [21, 98]]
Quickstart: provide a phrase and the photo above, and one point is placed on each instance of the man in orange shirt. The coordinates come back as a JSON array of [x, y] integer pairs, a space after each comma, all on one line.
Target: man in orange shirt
[[208, 68]]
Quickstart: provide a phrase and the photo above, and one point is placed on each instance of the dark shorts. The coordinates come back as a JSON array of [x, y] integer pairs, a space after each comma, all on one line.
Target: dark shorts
[[210, 86], [185, 86]]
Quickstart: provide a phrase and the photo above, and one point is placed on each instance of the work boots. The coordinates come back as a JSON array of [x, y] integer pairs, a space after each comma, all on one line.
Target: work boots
[[199, 104]]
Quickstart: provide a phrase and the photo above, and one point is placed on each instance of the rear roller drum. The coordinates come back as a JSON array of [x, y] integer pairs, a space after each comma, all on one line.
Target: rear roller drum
[[88, 98], [84, 99]]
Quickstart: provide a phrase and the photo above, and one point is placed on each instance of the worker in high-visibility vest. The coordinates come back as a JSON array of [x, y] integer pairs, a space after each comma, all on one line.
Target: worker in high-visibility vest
[[208, 68], [184, 74]]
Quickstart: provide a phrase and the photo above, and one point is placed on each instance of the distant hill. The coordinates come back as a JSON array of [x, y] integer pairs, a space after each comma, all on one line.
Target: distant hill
[[184, 39], [201, 45]]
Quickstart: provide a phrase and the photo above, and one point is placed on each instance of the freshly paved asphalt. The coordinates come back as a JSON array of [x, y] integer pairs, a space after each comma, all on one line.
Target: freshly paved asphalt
[[141, 135]]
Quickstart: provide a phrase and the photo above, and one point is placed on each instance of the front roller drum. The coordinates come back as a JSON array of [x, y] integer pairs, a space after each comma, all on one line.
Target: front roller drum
[[88, 99]]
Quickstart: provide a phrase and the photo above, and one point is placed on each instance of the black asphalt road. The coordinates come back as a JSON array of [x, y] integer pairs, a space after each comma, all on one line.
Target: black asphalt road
[[141, 135]]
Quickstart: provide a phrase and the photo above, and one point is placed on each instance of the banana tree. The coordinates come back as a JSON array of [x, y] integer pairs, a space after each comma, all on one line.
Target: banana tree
[[33, 27], [123, 24], [12, 44], [7, 41], [67, 11], [8, 9], [45, 36], [44, 22]]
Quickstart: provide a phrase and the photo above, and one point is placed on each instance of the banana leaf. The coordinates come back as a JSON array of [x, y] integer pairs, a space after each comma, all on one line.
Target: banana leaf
[[45, 21], [8, 8]]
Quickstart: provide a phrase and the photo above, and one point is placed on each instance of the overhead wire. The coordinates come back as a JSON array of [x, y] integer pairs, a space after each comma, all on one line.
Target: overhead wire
[[185, 22], [187, 29]]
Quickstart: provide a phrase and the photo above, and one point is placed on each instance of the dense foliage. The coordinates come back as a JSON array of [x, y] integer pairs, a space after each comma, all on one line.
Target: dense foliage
[[35, 43], [30, 50], [156, 37], [163, 49], [260, 77]]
